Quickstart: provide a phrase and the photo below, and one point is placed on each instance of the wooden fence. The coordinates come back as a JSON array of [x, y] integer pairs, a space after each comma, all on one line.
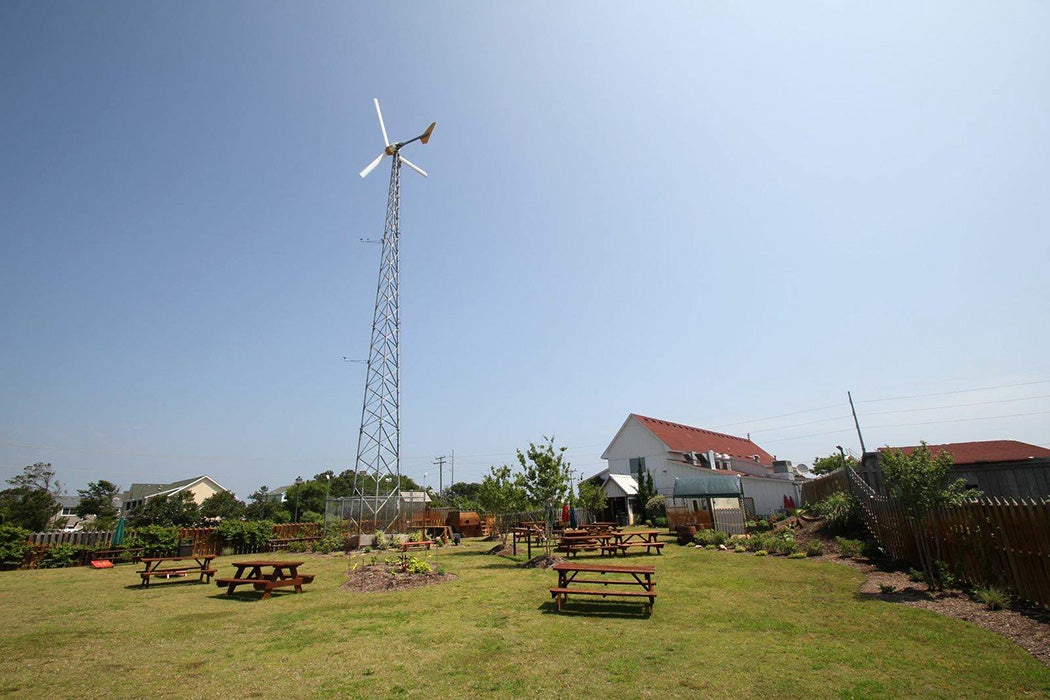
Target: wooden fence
[[986, 541], [818, 489], [56, 537]]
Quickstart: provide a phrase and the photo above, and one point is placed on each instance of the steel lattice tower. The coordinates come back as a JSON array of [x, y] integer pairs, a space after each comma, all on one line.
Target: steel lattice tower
[[379, 443], [376, 500]]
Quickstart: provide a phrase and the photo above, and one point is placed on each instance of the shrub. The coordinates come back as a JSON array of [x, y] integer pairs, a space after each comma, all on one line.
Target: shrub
[[62, 555], [886, 589], [761, 553], [13, 546], [713, 537], [380, 540], [797, 555], [415, 565], [839, 511], [247, 535], [660, 521], [916, 575], [947, 575], [993, 597], [328, 544], [155, 540], [656, 507], [815, 548], [739, 548], [850, 548]]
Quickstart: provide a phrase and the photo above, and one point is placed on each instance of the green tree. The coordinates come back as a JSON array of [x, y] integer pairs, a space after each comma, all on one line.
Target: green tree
[[33, 502], [27, 508], [262, 507], [501, 492], [920, 481], [545, 473], [222, 506], [462, 495], [836, 460], [97, 500], [178, 510], [592, 498], [646, 490]]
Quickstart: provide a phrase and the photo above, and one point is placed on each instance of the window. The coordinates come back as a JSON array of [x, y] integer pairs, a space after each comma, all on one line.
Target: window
[[637, 464]]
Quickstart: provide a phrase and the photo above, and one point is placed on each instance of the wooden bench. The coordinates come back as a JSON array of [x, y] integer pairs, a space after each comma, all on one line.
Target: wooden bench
[[409, 544], [622, 547], [562, 593], [115, 555], [176, 572], [608, 577], [152, 568]]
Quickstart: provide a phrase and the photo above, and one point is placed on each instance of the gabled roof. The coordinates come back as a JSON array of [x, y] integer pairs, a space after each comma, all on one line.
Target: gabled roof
[[982, 451], [138, 492], [624, 482], [685, 438]]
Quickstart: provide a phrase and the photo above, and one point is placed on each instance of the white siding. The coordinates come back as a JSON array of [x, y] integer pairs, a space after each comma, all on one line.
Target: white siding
[[635, 440], [768, 494]]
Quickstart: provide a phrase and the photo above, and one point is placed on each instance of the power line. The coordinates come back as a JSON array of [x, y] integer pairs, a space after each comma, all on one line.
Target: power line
[[782, 415], [958, 391], [958, 405]]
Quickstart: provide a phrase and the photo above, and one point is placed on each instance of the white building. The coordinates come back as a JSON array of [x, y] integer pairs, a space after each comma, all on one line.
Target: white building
[[669, 451]]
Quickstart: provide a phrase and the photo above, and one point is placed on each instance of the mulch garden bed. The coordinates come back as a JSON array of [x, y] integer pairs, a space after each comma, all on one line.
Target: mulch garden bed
[[386, 577]]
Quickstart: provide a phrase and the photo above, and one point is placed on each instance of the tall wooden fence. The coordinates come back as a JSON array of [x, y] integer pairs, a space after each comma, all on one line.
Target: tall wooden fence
[[816, 490], [56, 537], [986, 541]]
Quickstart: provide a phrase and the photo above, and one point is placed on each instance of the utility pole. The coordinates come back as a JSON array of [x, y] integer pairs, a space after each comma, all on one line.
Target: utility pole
[[440, 462], [452, 480], [856, 422]]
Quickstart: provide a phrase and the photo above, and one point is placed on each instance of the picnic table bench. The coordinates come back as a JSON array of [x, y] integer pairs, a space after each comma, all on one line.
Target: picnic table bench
[[415, 544], [573, 544], [153, 569], [265, 576], [620, 542], [114, 555], [639, 577]]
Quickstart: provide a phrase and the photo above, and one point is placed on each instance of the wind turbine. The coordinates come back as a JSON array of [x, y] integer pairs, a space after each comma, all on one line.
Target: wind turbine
[[395, 148], [379, 442]]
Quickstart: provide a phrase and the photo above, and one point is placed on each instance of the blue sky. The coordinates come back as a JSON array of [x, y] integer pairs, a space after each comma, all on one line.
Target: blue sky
[[712, 213]]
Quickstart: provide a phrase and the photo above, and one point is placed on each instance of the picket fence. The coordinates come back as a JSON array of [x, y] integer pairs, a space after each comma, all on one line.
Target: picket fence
[[986, 541], [206, 540]]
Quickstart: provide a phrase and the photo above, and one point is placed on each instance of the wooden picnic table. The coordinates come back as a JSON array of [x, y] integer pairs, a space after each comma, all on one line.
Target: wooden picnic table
[[638, 580], [265, 576], [620, 542], [153, 568], [527, 534]]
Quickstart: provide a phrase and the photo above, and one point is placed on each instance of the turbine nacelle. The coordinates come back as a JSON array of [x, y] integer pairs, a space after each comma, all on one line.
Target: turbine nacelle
[[393, 149]]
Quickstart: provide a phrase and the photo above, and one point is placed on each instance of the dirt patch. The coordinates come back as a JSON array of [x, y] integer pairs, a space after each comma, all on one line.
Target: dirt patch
[[500, 549], [383, 577], [543, 561]]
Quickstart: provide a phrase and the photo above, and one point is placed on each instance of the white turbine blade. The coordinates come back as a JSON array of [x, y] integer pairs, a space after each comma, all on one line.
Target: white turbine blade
[[372, 166], [412, 165], [386, 141]]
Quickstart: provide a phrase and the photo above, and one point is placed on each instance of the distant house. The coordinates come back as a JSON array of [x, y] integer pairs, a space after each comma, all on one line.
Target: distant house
[[67, 519], [671, 451], [999, 468], [201, 487]]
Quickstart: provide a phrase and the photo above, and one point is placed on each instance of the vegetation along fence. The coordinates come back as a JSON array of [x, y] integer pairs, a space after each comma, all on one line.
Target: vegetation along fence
[[986, 541]]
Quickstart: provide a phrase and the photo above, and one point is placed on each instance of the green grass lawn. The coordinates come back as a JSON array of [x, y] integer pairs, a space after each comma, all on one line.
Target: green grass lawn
[[724, 625]]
